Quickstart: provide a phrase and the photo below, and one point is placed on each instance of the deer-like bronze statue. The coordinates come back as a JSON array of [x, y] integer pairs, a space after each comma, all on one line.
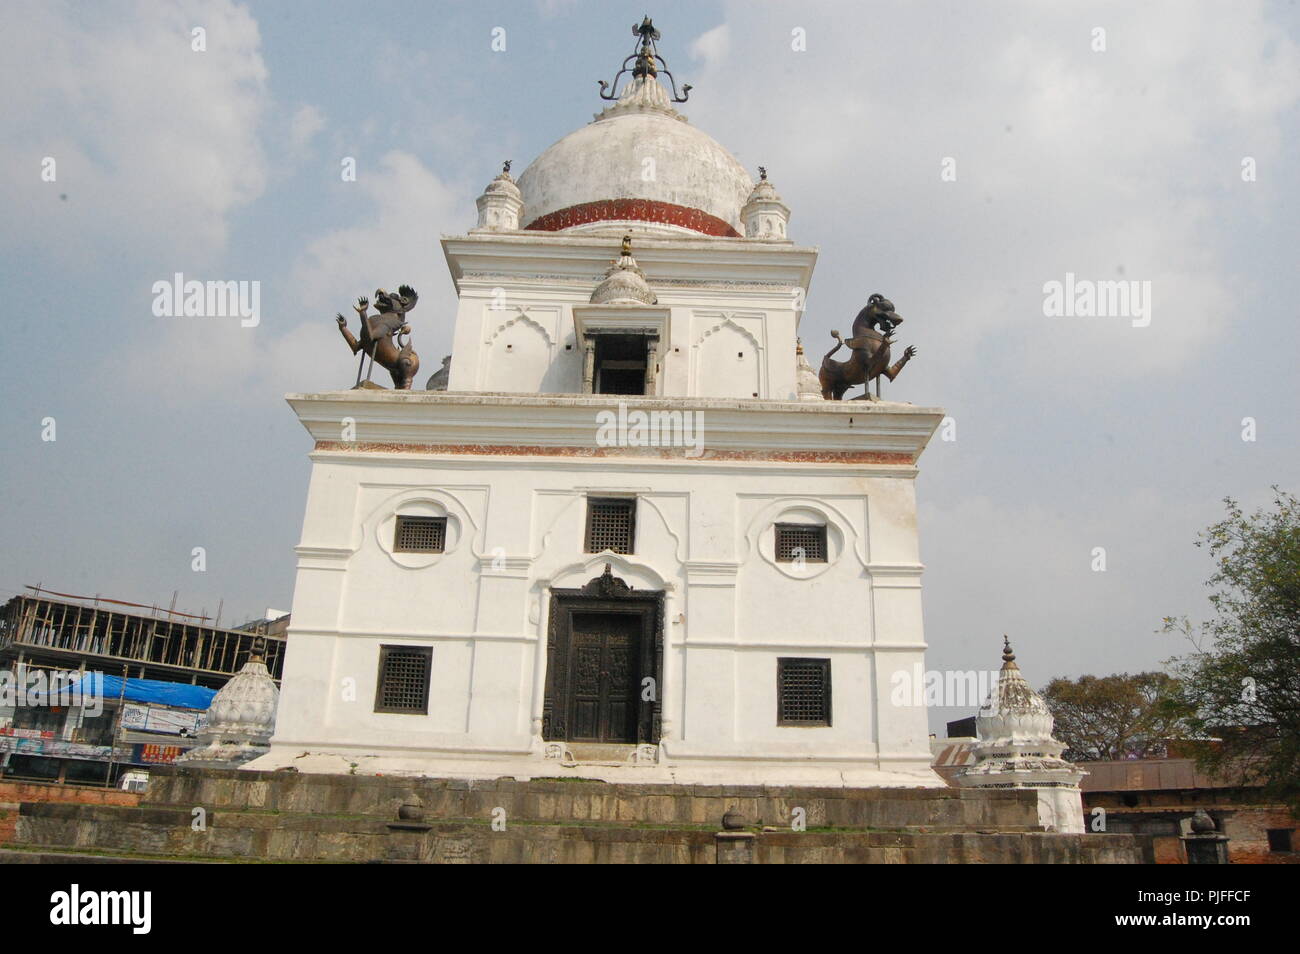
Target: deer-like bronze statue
[[870, 349], [381, 336]]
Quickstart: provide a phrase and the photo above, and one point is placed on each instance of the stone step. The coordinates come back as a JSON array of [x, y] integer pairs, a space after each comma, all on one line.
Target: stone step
[[122, 832], [571, 801], [602, 753], [30, 855], [284, 816]]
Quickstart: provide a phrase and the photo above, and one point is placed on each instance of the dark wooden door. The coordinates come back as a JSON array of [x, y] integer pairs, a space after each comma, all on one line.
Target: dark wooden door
[[605, 682], [604, 663]]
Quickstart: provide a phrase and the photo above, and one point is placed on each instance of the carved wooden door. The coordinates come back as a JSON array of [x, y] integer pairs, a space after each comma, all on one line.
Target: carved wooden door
[[605, 677]]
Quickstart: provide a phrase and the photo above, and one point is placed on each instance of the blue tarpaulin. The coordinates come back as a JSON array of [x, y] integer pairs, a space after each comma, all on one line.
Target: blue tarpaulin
[[109, 688]]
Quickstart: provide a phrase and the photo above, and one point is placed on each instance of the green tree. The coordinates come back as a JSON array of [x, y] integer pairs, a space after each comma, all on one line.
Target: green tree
[[1241, 685], [1112, 717]]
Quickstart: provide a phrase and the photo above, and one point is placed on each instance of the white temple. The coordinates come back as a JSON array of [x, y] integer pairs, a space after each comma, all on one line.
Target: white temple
[[629, 540], [1015, 749]]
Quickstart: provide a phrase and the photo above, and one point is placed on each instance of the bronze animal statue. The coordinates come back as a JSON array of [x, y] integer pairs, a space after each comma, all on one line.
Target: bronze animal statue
[[381, 336], [870, 349]]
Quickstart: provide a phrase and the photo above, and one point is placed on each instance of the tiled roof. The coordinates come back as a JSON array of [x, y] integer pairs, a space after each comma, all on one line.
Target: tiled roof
[[1145, 775]]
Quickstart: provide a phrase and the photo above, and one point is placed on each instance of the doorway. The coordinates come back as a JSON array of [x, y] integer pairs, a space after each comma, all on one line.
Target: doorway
[[604, 660]]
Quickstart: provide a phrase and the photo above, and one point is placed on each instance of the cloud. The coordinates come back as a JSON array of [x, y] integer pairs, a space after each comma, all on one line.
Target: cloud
[[155, 143], [1114, 165], [1034, 571], [296, 346], [712, 46], [399, 244], [556, 8], [306, 123]]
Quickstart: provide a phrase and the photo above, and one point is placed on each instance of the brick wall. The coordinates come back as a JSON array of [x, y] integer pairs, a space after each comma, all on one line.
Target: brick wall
[[14, 794]]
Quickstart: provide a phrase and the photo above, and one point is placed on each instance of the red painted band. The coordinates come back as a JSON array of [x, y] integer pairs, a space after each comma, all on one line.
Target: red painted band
[[635, 210]]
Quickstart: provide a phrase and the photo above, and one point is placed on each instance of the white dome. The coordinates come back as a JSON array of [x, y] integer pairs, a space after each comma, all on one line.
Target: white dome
[[637, 162], [240, 720], [246, 704], [502, 185]]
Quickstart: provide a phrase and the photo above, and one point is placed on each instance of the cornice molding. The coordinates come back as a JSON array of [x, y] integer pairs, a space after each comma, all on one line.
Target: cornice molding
[[566, 425]]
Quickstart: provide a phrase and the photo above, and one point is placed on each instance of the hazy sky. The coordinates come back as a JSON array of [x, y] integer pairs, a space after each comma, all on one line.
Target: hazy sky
[[1072, 433]]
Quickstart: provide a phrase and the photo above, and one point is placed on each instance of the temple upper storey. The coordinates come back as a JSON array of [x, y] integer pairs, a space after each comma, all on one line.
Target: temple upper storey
[[634, 256]]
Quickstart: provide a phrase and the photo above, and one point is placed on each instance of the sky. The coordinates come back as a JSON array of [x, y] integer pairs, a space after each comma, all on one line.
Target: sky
[[957, 157]]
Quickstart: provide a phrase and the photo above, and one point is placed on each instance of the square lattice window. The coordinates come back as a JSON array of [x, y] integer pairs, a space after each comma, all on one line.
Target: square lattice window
[[403, 679], [803, 692], [420, 535], [800, 541], [611, 524]]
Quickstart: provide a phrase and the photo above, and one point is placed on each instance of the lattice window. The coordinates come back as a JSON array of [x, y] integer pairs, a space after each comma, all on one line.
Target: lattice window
[[611, 524], [800, 541], [403, 679], [803, 690], [420, 534]]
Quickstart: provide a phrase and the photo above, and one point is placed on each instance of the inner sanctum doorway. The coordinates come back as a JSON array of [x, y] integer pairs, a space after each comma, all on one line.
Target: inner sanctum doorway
[[604, 659]]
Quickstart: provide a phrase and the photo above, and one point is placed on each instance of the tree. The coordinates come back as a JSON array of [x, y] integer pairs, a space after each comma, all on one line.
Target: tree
[[1241, 685], [1113, 717]]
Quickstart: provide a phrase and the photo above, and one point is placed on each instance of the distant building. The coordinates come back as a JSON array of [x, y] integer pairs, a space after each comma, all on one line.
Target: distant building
[[952, 754], [962, 728], [1159, 797], [90, 688]]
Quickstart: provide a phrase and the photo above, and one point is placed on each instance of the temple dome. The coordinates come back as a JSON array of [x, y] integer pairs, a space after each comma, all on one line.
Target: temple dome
[[638, 162]]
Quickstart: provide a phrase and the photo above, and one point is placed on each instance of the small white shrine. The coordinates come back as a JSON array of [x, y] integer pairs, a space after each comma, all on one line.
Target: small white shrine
[[240, 720], [1015, 749], [625, 537]]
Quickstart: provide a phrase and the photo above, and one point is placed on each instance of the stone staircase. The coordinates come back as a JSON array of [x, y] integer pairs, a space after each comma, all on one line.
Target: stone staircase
[[226, 815]]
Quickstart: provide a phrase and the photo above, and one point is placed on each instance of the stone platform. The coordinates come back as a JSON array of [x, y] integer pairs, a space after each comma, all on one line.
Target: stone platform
[[287, 816]]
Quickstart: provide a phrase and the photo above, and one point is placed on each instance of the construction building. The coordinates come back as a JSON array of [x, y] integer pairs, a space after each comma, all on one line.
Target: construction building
[[93, 687]]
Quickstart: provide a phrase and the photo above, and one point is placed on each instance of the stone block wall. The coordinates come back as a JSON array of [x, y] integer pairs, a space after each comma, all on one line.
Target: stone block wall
[[14, 794], [286, 816]]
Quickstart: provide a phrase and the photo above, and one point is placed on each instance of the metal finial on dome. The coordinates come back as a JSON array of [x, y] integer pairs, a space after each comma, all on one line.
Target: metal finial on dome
[[646, 62], [762, 173], [1007, 655], [505, 167]]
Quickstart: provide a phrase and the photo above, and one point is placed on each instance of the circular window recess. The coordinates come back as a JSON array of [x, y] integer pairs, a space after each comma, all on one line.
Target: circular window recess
[[386, 531], [812, 542]]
